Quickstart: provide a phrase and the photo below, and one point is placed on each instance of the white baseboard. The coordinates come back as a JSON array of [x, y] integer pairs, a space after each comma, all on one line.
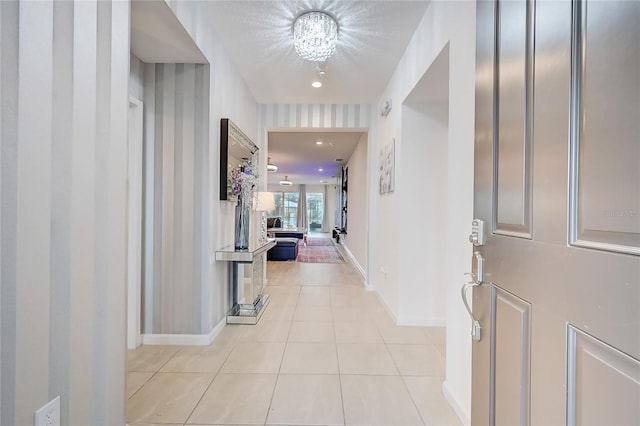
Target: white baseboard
[[386, 306], [400, 320], [184, 339], [355, 262], [462, 413]]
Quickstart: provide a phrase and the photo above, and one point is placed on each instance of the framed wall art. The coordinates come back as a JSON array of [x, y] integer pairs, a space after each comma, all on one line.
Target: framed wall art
[[387, 167]]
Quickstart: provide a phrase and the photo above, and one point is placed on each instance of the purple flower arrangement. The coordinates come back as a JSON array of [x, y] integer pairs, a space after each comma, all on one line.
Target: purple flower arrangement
[[243, 182]]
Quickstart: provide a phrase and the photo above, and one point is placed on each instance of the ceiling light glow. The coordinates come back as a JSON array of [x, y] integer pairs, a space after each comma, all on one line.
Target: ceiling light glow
[[319, 142], [286, 181], [316, 84], [271, 167]]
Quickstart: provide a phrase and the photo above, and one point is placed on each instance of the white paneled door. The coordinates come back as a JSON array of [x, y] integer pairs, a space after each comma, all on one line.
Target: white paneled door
[[557, 181]]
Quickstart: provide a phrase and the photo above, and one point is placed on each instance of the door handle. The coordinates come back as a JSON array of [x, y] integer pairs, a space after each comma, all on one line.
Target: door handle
[[477, 238], [475, 324], [476, 280]]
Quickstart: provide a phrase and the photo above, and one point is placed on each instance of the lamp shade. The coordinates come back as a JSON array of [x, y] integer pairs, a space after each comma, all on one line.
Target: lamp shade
[[265, 202]]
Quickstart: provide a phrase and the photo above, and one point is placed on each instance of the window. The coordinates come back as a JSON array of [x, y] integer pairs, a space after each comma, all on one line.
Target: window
[[286, 207], [315, 210]]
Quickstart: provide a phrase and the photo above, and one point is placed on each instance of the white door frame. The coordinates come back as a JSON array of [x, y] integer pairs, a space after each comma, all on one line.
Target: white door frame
[[134, 224]]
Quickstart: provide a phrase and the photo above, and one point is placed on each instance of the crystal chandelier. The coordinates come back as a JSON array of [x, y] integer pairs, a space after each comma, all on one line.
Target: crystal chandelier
[[315, 35]]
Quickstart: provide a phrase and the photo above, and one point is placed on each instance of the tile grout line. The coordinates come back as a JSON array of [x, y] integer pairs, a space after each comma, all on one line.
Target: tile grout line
[[344, 413], [200, 399], [404, 383], [146, 381], [297, 304], [266, 418], [150, 377], [159, 372], [415, 404], [170, 358], [233, 344], [386, 343]]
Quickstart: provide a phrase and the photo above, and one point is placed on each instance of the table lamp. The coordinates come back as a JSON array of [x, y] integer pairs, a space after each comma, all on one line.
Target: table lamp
[[264, 202]]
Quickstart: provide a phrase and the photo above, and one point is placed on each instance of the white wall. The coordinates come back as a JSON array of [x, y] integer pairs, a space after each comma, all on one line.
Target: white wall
[[452, 23], [356, 240], [422, 194], [422, 178], [136, 77], [63, 163], [229, 97]]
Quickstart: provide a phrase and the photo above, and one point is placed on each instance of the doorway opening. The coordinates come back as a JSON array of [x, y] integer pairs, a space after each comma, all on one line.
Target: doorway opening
[[423, 170], [314, 160]]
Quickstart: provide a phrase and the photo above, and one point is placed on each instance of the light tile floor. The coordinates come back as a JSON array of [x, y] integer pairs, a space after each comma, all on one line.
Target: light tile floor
[[324, 353]]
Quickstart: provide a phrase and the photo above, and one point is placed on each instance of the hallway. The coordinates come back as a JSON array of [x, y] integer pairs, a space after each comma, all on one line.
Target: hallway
[[326, 352]]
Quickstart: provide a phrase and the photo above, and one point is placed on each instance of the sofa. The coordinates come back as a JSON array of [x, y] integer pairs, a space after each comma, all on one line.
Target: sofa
[[274, 222], [287, 234], [275, 230], [285, 249], [287, 240]]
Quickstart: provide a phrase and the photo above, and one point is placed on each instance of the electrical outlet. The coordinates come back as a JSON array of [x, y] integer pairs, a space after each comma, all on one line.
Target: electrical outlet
[[49, 414], [383, 271]]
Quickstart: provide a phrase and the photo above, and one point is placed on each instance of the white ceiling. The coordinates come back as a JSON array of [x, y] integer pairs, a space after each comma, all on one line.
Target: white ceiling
[[372, 38], [297, 155], [158, 37]]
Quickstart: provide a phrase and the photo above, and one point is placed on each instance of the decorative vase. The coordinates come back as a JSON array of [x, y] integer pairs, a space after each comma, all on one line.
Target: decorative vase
[[241, 240]]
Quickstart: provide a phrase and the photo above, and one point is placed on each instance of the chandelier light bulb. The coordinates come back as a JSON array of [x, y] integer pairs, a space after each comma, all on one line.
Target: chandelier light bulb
[[315, 35]]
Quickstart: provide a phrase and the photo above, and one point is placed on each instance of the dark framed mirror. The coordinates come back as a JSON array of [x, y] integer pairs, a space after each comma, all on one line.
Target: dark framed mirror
[[235, 149]]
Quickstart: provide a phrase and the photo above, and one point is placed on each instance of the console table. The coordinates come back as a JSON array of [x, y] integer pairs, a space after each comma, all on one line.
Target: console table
[[246, 296]]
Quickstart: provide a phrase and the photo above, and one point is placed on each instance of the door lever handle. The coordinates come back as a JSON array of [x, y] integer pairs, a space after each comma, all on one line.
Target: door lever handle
[[475, 324]]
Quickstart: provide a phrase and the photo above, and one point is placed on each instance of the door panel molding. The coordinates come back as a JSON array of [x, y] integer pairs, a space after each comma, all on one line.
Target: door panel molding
[[513, 118], [510, 358], [604, 203], [593, 364], [544, 280]]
